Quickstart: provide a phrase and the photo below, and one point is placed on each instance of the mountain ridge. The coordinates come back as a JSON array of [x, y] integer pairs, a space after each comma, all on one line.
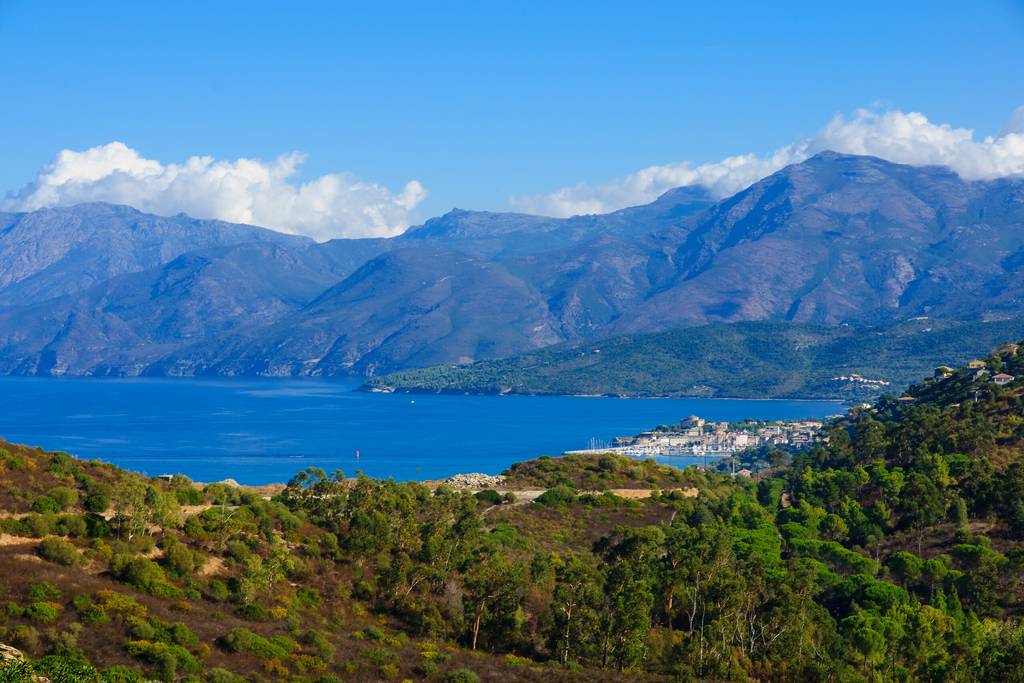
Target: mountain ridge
[[835, 239]]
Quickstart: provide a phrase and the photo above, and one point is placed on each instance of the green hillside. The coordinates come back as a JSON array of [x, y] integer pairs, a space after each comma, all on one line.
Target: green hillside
[[894, 552], [743, 360]]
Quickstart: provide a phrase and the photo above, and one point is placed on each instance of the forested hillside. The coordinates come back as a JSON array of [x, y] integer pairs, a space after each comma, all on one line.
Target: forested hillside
[[742, 360], [893, 552]]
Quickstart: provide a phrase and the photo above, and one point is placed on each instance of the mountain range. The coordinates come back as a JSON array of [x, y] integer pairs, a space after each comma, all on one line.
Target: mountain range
[[97, 289]]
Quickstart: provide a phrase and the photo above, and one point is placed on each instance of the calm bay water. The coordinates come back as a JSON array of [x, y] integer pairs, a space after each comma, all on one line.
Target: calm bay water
[[264, 430]]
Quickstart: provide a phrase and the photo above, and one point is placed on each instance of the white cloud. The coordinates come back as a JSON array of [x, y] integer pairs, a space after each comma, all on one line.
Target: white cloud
[[908, 138], [241, 191]]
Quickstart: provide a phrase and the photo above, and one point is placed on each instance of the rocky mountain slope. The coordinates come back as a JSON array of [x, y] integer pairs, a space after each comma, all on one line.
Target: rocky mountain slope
[[52, 252], [97, 289]]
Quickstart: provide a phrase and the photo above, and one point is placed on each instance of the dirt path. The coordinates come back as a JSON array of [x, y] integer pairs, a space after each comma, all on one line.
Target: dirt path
[[6, 541], [530, 495]]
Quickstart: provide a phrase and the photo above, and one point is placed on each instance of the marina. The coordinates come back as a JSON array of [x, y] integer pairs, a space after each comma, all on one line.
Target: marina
[[697, 437]]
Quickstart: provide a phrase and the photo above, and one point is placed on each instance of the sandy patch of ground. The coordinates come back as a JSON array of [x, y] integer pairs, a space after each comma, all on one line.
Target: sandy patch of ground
[[6, 541], [212, 566]]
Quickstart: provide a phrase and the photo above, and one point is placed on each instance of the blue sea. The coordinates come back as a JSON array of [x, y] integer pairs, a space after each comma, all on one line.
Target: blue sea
[[258, 431]]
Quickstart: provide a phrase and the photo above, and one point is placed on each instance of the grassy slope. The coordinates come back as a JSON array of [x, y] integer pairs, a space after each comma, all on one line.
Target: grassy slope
[[780, 360], [27, 473]]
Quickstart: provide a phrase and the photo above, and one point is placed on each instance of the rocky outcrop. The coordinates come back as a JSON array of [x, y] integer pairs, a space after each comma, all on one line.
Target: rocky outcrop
[[474, 481]]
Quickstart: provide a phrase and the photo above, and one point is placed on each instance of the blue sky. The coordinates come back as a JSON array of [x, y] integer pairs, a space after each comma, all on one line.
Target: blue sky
[[482, 101]]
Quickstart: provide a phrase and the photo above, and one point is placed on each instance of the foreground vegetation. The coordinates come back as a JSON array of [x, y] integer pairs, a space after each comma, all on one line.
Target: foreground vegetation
[[742, 360], [893, 552]]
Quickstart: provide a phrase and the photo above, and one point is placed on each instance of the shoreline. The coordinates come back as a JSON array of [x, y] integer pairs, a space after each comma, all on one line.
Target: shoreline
[[636, 397], [362, 387]]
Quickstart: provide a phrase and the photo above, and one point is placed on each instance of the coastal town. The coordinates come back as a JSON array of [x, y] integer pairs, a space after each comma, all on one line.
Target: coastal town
[[695, 436]]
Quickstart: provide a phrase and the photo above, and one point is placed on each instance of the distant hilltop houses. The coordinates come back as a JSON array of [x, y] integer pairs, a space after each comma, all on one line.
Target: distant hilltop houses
[[979, 371], [859, 379], [976, 370]]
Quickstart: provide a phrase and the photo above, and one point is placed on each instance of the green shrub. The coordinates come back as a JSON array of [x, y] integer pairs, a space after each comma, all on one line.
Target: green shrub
[[45, 504], [426, 669], [217, 590], [307, 598], [223, 676], [142, 543], [516, 661], [122, 674], [321, 643], [238, 551], [98, 499], [65, 497], [61, 463], [93, 614], [488, 497], [58, 550], [120, 604], [558, 496], [14, 527], [179, 634], [381, 655], [140, 629], [39, 526], [41, 592], [66, 663], [253, 612], [180, 559], [72, 525], [189, 496], [169, 659], [43, 612], [82, 601], [142, 573], [843, 560], [244, 640], [607, 500], [97, 526], [331, 678], [222, 494], [374, 633], [16, 671], [463, 676]]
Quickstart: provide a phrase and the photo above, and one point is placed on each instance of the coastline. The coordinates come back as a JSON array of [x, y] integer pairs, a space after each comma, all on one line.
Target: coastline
[[358, 384], [262, 431], [365, 388]]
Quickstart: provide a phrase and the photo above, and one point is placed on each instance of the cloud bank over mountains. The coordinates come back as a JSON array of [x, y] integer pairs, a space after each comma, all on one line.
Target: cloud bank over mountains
[[908, 138], [342, 205], [242, 191]]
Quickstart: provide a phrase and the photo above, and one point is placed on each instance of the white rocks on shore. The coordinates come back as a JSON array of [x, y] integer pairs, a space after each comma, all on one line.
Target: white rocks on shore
[[473, 480]]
